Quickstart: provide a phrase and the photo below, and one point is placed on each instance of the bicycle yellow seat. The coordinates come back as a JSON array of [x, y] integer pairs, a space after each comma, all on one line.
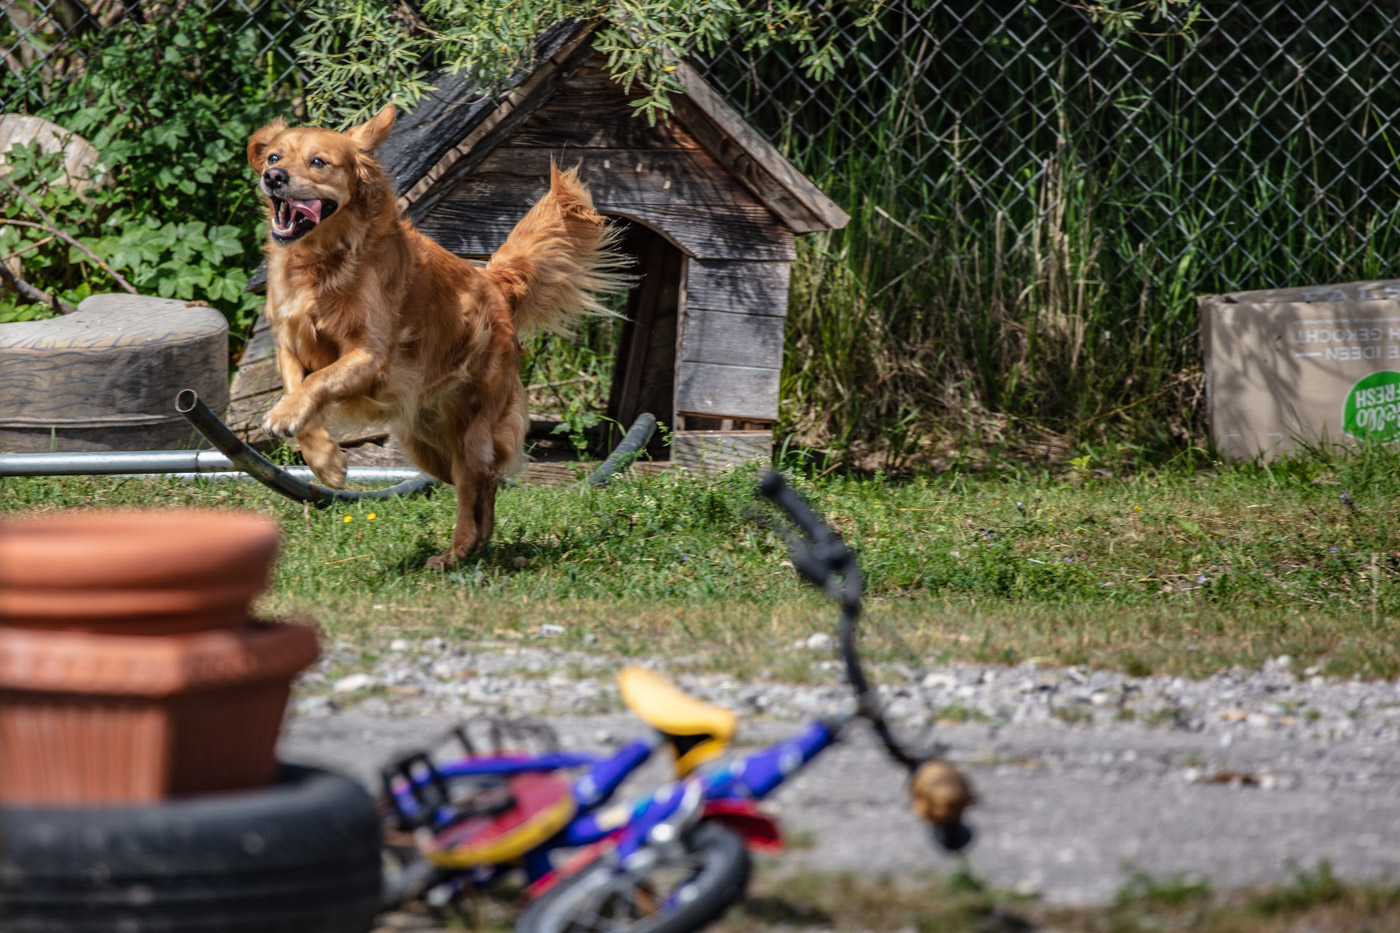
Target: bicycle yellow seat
[[697, 731]]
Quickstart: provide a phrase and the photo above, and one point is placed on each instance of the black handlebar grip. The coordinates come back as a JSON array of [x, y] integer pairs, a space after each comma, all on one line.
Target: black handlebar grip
[[776, 490], [952, 836]]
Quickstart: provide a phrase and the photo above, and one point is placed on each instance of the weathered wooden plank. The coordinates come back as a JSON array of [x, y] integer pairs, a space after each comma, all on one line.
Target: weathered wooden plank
[[590, 110], [245, 414], [683, 194], [256, 377], [713, 452], [725, 391], [737, 339], [424, 135], [720, 129], [467, 150], [259, 343], [381, 451], [747, 287], [256, 385]]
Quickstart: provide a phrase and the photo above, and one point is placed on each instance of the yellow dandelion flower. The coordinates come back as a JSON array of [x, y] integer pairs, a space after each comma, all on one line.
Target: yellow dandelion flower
[[347, 519], [371, 517]]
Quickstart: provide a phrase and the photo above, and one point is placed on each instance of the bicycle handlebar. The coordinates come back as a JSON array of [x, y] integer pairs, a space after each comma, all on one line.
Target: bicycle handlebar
[[823, 559], [823, 556]]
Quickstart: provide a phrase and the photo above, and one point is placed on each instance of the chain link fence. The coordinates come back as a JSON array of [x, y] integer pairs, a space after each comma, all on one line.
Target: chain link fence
[[47, 43], [1259, 154]]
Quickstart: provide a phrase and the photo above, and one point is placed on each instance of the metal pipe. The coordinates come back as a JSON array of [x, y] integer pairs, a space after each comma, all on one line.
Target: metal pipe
[[109, 462], [352, 475], [236, 460], [270, 474]]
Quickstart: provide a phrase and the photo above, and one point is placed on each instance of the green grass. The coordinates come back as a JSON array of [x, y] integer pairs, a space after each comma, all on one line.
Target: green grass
[[1166, 571], [961, 903]]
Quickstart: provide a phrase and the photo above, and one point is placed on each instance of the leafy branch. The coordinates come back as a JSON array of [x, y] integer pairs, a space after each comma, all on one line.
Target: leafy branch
[[48, 227], [1119, 17], [364, 52]]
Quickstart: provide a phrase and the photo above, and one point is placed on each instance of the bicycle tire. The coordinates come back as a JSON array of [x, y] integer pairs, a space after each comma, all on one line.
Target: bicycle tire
[[713, 868]]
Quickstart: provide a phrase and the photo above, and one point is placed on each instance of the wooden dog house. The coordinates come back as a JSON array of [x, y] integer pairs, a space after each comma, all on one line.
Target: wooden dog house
[[712, 210]]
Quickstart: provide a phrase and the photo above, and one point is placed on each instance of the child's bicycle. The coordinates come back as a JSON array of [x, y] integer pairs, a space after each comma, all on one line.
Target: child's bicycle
[[669, 862]]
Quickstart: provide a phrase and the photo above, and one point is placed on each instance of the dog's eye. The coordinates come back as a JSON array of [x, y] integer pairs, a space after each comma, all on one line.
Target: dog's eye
[[273, 158], [318, 162]]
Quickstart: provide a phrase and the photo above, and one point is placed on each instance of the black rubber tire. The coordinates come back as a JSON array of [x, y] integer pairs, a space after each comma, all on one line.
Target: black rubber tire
[[103, 378], [712, 859], [302, 856]]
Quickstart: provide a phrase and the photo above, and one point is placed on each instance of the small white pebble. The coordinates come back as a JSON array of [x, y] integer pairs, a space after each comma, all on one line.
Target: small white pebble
[[352, 683]]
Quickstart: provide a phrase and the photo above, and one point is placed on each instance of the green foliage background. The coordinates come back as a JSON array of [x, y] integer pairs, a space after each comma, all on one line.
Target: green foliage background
[[901, 345], [178, 216]]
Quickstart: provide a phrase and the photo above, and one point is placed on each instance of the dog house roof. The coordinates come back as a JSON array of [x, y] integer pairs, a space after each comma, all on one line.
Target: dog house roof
[[452, 130]]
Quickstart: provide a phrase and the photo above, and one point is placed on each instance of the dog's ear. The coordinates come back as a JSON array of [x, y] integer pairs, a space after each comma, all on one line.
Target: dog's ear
[[257, 143], [368, 136]]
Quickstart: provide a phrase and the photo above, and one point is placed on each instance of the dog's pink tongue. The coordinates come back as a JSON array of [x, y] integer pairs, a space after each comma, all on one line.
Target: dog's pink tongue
[[311, 209]]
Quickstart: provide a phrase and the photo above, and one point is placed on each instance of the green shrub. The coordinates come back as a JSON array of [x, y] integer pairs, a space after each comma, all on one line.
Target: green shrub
[[169, 106]]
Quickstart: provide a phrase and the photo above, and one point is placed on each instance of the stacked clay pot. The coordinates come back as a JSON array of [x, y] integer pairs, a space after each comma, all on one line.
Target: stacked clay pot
[[130, 669]]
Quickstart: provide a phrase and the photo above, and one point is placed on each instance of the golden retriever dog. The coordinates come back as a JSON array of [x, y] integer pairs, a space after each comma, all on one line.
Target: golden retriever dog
[[375, 323]]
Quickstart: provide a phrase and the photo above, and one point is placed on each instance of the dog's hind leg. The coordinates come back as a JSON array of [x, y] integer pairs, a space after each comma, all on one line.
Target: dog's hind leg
[[475, 479], [484, 509], [466, 534]]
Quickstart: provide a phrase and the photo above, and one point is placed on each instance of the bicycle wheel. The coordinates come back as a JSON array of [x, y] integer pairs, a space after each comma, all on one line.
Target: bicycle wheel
[[669, 888]]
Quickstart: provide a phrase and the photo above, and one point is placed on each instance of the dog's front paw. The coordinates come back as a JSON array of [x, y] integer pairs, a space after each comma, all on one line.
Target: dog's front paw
[[288, 417]]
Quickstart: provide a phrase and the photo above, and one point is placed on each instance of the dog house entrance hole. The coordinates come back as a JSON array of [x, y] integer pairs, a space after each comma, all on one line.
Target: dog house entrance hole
[[644, 372], [636, 363]]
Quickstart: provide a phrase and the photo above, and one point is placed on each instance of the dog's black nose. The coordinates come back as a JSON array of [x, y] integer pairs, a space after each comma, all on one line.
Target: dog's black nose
[[275, 178]]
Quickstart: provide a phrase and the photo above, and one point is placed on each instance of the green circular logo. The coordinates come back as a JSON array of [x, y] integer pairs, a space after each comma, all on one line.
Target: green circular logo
[[1372, 408]]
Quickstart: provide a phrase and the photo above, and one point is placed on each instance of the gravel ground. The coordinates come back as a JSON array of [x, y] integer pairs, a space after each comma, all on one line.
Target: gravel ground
[[1085, 776]]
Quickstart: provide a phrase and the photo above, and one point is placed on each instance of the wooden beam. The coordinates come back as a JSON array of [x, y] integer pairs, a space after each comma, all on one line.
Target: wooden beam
[[683, 194], [496, 127], [712, 452], [753, 160], [754, 340], [741, 287], [725, 391], [591, 111]]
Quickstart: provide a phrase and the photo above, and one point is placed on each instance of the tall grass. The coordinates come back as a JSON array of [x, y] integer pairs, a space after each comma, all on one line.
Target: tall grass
[[1025, 247]]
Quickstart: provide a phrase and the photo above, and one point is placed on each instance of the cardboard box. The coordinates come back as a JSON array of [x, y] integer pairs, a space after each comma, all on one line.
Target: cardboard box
[[1297, 367]]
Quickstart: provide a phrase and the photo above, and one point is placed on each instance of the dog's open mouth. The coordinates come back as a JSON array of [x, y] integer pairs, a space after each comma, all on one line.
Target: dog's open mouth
[[293, 219]]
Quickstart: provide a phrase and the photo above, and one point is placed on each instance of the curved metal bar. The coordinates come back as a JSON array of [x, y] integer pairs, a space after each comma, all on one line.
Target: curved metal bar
[[279, 480], [203, 419], [631, 446]]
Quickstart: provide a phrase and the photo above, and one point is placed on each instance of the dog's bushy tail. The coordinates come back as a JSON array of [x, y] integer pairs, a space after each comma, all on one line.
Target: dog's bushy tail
[[558, 264]]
